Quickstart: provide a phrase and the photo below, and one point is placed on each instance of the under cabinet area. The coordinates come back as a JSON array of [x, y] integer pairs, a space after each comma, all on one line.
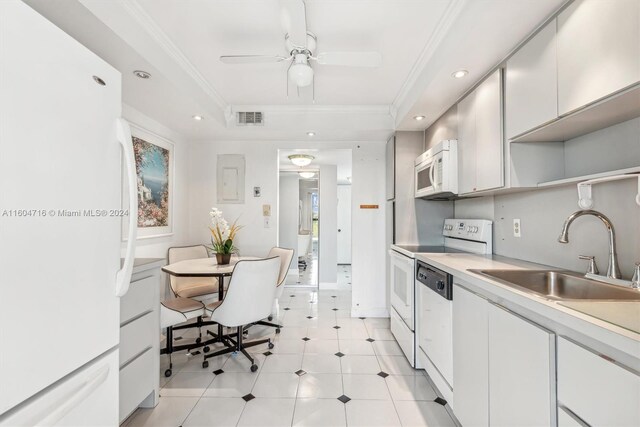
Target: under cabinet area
[[594, 390], [480, 137]]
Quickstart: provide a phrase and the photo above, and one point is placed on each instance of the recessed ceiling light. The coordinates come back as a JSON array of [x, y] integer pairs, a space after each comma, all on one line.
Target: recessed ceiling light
[[197, 117], [311, 134], [301, 160], [142, 74], [418, 118], [307, 175], [459, 74]]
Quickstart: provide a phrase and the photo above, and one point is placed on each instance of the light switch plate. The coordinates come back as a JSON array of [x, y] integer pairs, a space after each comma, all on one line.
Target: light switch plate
[[517, 228]]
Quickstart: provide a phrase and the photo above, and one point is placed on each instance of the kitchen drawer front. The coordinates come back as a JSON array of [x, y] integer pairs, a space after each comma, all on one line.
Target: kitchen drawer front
[[598, 391], [136, 336], [139, 298], [136, 382], [403, 335]]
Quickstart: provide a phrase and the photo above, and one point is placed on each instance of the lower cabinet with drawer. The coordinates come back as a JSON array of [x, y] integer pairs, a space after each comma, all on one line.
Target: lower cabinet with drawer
[[140, 340], [594, 390]]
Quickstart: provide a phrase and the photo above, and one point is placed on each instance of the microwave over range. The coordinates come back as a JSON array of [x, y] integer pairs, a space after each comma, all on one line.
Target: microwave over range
[[436, 171]]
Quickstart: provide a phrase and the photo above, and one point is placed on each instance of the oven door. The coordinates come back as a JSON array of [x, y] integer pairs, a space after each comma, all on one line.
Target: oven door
[[402, 279]]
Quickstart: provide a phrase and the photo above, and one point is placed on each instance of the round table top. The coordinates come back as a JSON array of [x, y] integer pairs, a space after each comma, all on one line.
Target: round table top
[[203, 267]]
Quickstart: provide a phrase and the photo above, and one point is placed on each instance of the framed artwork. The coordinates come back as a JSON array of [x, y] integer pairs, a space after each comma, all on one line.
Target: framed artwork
[[154, 168]]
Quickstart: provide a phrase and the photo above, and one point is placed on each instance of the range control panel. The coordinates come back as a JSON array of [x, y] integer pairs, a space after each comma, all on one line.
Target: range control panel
[[470, 229]]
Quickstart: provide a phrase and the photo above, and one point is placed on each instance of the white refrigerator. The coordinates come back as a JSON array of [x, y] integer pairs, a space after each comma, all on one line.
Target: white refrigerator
[[62, 148]]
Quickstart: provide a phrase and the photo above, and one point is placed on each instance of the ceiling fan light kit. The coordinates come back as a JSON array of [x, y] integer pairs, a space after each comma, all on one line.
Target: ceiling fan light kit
[[301, 45]]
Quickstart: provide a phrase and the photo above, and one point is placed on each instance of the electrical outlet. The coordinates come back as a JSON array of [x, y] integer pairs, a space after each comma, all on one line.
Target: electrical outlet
[[517, 229]]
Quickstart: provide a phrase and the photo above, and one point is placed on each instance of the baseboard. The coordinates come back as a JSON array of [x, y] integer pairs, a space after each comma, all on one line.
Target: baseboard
[[369, 312], [328, 285]]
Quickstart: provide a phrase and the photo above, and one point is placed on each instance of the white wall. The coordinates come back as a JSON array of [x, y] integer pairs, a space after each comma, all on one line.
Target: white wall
[[157, 247], [368, 187], [328, 235], [288, 215]]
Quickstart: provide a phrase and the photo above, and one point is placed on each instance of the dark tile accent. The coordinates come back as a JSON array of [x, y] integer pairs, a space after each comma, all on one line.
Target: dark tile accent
[[334, 296], [267, 353], [218, 371], [334, 309], [300, 372], [370, 339], [195, 353], [361, 318], [248, 397], [292, 296], [287, 309], [306, 339], [309, 317], [383, 374], [344, 399], [177, 338], [336, 327], [348, 283], [339, 354], [440, 401]]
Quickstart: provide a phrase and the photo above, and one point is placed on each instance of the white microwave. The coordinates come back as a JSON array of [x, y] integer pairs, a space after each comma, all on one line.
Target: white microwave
[[436, 171]]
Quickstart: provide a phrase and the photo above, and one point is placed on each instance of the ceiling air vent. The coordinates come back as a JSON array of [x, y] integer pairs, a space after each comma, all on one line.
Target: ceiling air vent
[[250, 118]]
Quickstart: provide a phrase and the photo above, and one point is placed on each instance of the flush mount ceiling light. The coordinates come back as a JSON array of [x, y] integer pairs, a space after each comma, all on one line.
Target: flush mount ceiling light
[[301, 159], [418, 118], [311, 134], [142, 74], [459, 74], [307, 175], [197, 117]]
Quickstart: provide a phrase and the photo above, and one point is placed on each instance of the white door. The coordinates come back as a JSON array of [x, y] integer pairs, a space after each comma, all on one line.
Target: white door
[[344, 224], [60, 159]]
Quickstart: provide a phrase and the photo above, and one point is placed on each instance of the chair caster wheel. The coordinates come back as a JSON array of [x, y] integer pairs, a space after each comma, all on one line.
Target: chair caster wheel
[[167, 373], [205, 364], [277, 330], [254, 367], [245, 332], [206, 349], [198, 340], [271, 345], [270, 318]]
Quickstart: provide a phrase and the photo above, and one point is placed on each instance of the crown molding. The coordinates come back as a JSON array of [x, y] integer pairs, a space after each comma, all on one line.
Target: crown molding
[[289, 109]]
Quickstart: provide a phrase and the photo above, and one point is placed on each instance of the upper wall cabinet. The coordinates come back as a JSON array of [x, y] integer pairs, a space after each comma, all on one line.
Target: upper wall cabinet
[[480, 148], [531, 84], [598, 50]]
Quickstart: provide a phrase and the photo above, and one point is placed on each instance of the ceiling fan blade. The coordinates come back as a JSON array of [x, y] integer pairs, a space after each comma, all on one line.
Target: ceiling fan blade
[[251, 59], [294, 21], [350, 59]]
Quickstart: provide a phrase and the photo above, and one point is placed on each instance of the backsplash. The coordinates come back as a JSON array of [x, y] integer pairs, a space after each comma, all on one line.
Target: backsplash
[[542, 213]]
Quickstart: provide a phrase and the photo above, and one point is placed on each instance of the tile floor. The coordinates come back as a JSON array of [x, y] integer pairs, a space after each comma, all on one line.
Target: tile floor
[[326, 369]]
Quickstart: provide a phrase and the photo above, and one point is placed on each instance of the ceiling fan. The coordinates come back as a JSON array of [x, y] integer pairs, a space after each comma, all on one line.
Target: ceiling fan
[[301, 45]]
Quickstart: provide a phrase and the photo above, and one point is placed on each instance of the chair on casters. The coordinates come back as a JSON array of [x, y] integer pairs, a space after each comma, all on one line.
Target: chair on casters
[[248, 300], [203, 289], [286, 256], [173, 312]]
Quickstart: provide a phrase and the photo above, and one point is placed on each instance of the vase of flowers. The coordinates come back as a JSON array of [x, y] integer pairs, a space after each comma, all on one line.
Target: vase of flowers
[[222, 236]]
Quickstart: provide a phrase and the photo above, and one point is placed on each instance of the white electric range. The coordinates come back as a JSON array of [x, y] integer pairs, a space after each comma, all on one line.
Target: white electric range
[[460, 236]]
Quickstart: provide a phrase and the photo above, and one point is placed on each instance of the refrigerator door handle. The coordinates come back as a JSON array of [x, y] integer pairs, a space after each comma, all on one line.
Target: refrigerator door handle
[[74, 398], [123, 276]]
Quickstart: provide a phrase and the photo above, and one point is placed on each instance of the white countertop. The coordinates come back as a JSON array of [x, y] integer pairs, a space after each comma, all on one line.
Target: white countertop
[[610, 327]]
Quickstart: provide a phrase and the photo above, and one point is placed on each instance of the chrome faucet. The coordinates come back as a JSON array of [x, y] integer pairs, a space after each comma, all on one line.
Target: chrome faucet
[[613, 271]]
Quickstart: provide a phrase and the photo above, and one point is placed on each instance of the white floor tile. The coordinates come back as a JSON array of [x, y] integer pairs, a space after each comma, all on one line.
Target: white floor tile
[[188, 384], [365, 386], [396, 365], [320, 386], [212, 411], [319, 413], [382, 334], [231, 384], [292, 346], [353, 332], [321, 347], [421, 414], [410, 387], [387, 348], [321, 363], [239, 363], [292, 333], [323, 333], [356, 347], [371, 413], [170, 412], [282, 363], [276, 385], [267, 413], [359, 365]]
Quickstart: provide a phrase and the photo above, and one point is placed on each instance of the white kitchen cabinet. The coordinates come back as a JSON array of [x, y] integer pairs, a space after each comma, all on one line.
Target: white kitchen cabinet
[[480, 137], [470, 358], [598, 50], [531, 84], [595, 388], [521, 371]]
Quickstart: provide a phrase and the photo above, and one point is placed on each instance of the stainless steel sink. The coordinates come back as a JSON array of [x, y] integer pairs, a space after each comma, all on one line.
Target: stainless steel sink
[[560, 285]]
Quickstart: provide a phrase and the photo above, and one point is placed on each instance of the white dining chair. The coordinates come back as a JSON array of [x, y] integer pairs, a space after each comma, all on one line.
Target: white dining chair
[[286, 256], [248, 300]]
